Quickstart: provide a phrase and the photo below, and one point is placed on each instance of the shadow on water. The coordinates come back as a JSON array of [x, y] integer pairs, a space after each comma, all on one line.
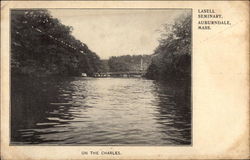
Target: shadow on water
[[175, 107], [31, 106]]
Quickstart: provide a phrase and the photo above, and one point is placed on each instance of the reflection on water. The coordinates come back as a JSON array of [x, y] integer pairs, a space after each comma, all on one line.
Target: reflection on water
[[105, 111]]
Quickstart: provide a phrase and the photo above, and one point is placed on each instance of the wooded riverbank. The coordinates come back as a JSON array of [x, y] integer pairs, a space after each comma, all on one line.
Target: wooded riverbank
[[42, 46]]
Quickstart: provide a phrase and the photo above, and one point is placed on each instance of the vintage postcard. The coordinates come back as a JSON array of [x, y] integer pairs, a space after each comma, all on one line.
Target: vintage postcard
[[124, 80]]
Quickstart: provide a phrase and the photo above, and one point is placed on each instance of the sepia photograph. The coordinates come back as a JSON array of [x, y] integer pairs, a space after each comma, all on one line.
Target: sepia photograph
[[124, 80], [101, 77]]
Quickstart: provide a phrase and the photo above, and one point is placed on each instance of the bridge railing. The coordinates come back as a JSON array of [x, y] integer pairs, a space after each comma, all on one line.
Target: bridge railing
[[122, 73]]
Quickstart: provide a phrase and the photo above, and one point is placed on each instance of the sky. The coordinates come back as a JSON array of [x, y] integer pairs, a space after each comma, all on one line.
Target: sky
[[113, 32]]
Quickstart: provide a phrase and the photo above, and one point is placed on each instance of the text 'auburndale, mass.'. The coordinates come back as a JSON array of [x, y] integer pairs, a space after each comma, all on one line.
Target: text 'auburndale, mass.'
[[210, 17]]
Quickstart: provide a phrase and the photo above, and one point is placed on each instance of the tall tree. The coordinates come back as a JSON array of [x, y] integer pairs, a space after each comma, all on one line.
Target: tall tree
[[172, 58]]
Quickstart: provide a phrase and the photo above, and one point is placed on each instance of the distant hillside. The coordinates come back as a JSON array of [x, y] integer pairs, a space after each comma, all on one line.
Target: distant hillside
[[129, 63]]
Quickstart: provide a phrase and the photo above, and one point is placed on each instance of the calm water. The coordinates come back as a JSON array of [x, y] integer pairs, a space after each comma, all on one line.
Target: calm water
[[99, 111]]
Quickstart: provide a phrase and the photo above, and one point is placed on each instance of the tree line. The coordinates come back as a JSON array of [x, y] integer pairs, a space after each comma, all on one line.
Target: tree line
[[129, 63], [172, 58], [42, 45]]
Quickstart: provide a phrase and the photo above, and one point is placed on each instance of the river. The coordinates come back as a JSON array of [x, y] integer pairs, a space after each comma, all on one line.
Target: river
[[99, 111]]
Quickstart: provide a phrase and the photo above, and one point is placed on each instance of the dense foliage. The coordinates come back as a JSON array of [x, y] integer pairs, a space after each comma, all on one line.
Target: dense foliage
[[104, 66], [41, 45], [129, 63], [172, 58]]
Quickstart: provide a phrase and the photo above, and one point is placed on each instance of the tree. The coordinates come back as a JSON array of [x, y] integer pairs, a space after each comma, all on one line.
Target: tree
[[172, 57]]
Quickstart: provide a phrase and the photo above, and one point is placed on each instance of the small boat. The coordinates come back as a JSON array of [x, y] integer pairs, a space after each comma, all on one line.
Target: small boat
[[84, 75]]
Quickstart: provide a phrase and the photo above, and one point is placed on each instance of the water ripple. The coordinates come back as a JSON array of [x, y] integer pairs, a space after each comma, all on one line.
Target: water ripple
[[108, 111]]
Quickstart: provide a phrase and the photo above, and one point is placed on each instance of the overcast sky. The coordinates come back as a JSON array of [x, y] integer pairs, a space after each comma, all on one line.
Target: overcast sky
[[117, 32]]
